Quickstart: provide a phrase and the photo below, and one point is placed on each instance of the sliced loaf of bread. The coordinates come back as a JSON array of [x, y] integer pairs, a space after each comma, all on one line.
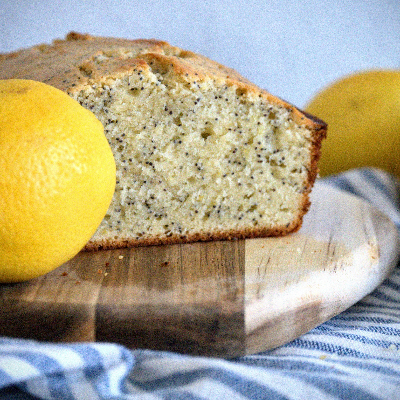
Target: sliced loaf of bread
[[201, 153]]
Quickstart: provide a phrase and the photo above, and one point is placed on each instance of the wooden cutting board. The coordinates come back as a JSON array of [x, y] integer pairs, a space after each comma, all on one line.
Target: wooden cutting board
[[227, 298]]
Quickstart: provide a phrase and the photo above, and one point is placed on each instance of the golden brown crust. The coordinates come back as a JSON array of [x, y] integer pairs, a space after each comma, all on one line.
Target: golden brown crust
[[70, 64], [197, 237]]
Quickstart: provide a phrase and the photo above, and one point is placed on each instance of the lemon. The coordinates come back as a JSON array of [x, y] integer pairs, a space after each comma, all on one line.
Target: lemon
[[57, 178], [362, 111]]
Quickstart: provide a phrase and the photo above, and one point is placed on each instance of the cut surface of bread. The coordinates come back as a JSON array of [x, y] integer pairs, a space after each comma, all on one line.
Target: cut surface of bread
[[201, 153]]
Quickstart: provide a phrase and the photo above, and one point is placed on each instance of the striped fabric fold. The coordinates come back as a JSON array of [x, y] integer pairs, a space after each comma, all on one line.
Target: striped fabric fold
[[355, 355], [63, 371]]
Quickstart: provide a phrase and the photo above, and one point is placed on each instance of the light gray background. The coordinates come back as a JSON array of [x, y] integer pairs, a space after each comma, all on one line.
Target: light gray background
[[292, 48]]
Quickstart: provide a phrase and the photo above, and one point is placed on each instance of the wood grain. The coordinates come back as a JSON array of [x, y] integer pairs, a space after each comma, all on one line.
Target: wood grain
[[226, 298]]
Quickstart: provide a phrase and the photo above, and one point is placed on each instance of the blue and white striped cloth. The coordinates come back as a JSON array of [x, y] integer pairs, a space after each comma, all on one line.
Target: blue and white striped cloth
[[355, 355]]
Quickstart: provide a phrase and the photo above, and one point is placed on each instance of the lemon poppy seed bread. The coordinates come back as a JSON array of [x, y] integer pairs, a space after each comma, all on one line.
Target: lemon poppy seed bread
[[201, 153]]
